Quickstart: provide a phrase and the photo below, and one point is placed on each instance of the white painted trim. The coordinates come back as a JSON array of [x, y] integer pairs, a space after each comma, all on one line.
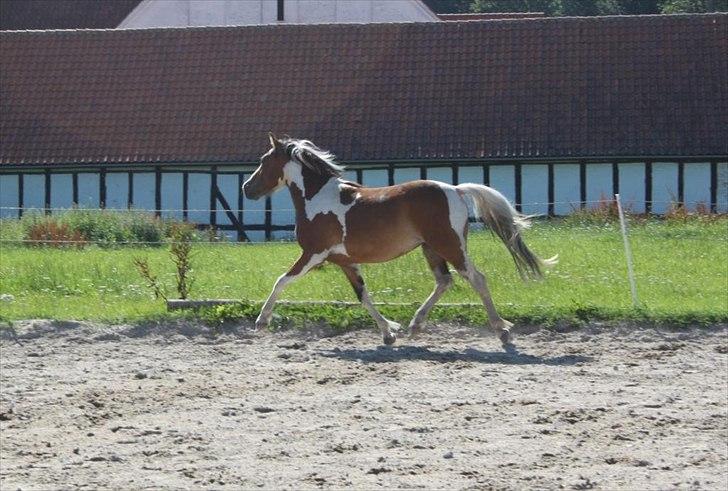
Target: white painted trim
[[137, 12], [426, 10]]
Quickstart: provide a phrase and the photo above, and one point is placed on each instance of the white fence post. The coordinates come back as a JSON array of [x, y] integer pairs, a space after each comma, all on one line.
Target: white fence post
[[627, 252]]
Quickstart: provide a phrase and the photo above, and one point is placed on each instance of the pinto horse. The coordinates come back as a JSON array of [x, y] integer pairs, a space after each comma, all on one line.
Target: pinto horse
[[348, 224]]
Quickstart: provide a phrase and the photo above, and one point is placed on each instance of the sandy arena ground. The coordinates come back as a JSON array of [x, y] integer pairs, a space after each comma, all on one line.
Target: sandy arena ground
[[174, 406]]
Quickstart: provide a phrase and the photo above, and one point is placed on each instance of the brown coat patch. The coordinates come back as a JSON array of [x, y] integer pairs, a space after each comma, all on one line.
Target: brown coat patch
[[313, 181], [316, 235], [390, 221], [347, 194]]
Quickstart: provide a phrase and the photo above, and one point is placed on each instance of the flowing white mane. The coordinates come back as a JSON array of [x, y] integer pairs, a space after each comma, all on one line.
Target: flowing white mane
[[307, 153]]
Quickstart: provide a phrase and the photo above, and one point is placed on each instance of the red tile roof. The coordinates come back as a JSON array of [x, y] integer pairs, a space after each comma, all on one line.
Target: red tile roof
[[63, 14], [540, 88]]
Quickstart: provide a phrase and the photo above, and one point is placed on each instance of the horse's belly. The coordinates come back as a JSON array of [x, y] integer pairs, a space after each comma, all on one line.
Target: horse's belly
[[379, 247]]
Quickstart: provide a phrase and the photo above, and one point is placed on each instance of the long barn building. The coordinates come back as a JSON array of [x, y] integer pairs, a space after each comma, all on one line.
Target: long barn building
[[556, 113]]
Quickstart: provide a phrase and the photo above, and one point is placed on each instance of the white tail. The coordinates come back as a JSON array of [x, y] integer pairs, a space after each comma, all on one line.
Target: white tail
[[496, 212]]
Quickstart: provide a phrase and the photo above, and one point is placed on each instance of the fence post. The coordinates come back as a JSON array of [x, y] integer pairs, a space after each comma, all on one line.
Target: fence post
[[627, 252]]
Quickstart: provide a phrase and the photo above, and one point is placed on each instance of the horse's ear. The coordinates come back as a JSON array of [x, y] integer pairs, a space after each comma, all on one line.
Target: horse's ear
[[274, 141]]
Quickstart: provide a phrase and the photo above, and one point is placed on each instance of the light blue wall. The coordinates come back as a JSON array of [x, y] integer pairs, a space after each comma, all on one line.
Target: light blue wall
[[9, 188], [171, 194], [696, 182], [350, 175], [534, 189], [566, 188], [632, 186], [664, 186], [198, 197], [406, 175], [598, 184], [144, 191], [228, 186], [88, 190], [441, 174], [117, 190], [471, 174], [375, 178], [61, 191], [503, 178], [33, 191]]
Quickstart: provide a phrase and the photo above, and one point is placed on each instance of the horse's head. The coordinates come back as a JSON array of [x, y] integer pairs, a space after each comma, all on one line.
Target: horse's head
[[269, 176]]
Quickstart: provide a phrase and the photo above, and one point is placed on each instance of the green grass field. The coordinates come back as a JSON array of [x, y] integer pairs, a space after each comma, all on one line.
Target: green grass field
[[681, 269]]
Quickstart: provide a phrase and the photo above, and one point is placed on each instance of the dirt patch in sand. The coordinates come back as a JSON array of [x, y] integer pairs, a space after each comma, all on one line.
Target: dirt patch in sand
[[177, 406]]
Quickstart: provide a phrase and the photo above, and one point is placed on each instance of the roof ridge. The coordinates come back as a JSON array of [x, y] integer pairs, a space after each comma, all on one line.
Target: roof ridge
[[373, 25]]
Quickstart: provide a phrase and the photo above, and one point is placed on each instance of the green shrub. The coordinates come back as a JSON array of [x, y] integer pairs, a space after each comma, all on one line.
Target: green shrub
[[11, 230], [102, 227], [144, 227], [97, 226]]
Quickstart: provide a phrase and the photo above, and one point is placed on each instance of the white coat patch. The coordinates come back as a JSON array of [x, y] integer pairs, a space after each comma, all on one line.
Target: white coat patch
[[327, 200], [458, 209]]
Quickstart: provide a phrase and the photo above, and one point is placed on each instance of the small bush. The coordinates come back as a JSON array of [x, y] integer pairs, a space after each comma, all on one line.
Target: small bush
[[54, 234], [603, 212], [144, 227], [182, 236], [180, 248], [680, 214], [111, 227], [99, 226], [142, 265], [104, 228]]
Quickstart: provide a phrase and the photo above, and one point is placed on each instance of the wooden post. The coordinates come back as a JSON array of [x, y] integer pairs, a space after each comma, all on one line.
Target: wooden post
[[47, 192], [627, 252]]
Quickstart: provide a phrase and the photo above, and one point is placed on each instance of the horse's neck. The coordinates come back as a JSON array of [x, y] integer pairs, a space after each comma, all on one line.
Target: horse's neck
[[308, 189]]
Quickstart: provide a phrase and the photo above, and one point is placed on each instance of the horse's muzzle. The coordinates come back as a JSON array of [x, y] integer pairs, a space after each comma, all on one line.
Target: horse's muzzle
[[250, 191]]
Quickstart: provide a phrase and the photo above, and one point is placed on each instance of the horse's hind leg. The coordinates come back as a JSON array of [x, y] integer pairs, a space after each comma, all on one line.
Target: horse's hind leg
[[451, 246], [443, 281], [357, 282], [478, 281]]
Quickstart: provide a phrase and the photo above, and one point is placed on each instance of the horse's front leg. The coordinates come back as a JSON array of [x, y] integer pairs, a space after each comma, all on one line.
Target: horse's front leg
[[302, 266], [357, 282]]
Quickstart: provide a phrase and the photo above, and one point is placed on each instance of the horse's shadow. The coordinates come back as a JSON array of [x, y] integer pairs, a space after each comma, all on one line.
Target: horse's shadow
[[510, 356]]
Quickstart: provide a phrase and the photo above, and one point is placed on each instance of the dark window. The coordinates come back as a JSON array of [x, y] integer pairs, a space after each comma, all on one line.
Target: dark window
[[281, 11]]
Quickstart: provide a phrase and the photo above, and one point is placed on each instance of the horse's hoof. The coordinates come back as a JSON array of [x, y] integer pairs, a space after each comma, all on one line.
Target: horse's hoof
[[414, 331], [501, 325], [389, 339], [505, 337]]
